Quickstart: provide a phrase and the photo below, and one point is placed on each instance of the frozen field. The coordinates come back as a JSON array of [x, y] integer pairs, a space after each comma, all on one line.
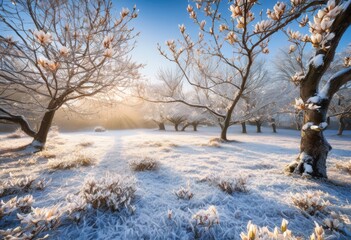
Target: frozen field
[[185, 158]]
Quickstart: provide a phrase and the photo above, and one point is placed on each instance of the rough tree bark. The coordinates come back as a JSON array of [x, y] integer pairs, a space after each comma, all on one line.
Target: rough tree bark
[[314, 148], [42, 134]]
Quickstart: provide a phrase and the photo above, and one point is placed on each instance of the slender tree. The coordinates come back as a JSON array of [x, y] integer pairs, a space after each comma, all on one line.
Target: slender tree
[[231, 42], [57, 52]]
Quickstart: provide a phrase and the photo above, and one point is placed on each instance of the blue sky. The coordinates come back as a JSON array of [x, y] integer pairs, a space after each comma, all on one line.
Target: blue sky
[[158, 22]]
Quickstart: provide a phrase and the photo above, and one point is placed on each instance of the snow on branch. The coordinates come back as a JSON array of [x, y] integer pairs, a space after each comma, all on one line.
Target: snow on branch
[[317, 60], [334, 83]]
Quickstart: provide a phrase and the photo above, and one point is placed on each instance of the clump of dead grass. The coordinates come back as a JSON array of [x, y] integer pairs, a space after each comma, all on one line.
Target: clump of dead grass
[[214, 142], [143, 164], [85, 144], [21, 184], [184, 192], [99, 129], [71, 161], [344, 166], [227, 184], [46, 154], [113, 192], [28, 161]]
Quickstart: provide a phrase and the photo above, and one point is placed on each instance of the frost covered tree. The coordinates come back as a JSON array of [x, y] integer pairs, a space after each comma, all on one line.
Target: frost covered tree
[[195, 117], [327, 28], [56, 52], [220, 61], [176, 120], [156, 112], [292, 65], [177, 114], [264, 103]]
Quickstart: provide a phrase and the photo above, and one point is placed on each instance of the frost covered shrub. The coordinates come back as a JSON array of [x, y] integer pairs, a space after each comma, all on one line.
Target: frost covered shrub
[[22, 184], [85, 144], [76, 206], [345, 166], [143, 164], [206, 218], [155, 144], [71, 161], [263, 233], [228, 185], [172, 145], [112, 192], [310, 202], [49, 217], [46, 154], [215, 142], [8, 207], [22, 204], [17, 134], [30, 161], [184, 193], [336, 221], [99, 129], [36, 222], [237, 185]]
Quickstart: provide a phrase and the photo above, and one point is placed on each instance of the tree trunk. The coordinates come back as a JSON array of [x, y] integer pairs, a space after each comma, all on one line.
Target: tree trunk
[[274, 126], [243, 127], [341, 126], [314, 148], [176, 127], [224, 130], [184, 127], [195, 126], [161, 126], [41, 136], [258, 126]]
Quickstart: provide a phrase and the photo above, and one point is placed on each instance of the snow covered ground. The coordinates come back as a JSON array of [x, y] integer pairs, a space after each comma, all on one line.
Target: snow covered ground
[[185, 157]]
